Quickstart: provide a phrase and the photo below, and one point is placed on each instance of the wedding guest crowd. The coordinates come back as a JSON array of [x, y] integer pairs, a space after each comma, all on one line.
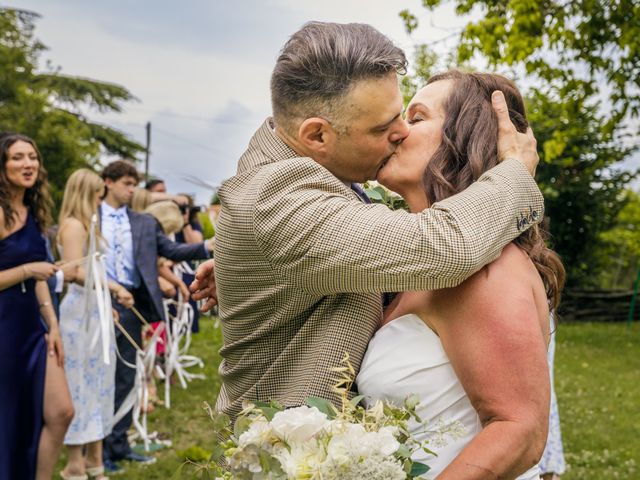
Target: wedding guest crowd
[[57, 384], [136, 242]]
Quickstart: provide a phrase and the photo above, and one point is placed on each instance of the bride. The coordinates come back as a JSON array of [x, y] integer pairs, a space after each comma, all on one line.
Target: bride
[[475, 353]]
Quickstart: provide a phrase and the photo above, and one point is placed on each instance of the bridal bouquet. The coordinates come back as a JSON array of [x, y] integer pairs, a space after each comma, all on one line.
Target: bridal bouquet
[[321, 441], [318, 442]]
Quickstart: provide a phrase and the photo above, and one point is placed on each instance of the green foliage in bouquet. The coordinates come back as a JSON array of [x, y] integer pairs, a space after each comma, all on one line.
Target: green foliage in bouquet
[[317, 441], [194, 454], [381, 414]]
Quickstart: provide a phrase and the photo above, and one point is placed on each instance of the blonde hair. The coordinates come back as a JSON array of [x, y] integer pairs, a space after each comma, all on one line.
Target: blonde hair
[[141, 200], [168, 214], [79, 199]]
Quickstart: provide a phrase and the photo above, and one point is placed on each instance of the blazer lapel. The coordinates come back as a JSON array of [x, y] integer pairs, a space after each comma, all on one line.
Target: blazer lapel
[[136, 234], [100, 217]]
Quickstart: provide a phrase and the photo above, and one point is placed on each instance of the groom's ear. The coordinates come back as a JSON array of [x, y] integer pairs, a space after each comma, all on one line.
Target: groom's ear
[[317, 135]]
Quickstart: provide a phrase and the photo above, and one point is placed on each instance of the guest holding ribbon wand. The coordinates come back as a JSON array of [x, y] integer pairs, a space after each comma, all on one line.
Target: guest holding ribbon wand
[[34, 399], [86, 324], [135, 241]]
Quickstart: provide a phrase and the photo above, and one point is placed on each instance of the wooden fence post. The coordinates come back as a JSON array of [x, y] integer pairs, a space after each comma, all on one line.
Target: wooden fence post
[[632, 307]]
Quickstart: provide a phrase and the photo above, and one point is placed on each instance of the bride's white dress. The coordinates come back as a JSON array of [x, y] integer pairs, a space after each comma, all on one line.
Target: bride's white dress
[[406, 357]]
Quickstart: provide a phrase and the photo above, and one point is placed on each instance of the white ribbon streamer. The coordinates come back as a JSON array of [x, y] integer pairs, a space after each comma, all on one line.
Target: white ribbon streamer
[[183, 267], [96, 281], [138, 396], [177, 360], [177, 345]]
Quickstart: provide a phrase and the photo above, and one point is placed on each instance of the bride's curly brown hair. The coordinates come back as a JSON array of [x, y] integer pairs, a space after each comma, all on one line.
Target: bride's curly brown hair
[[37, 198], [470, 147]]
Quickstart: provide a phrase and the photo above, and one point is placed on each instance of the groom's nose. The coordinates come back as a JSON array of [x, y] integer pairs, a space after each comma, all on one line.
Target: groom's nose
[[400, 131]]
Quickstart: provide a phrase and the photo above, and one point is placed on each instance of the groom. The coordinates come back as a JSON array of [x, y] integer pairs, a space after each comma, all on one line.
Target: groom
[[301, 260]]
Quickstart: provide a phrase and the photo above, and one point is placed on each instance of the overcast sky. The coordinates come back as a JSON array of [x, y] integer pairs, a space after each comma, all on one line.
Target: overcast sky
[[200, 68]]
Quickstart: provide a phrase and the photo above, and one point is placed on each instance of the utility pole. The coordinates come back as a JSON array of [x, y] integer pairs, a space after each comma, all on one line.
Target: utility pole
[[148, 149]]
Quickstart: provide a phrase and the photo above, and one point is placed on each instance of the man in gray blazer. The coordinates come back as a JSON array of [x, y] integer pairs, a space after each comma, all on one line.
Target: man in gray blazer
[[301, 261], [135, 241]]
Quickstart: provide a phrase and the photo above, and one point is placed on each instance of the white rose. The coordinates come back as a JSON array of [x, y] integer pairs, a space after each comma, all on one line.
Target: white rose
[[385, 440], [257, 434], [346, 442], [297, 425], [351, 440]]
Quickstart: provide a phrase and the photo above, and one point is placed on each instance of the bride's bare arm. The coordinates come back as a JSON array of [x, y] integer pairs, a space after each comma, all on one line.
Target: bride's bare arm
[[494, 329]]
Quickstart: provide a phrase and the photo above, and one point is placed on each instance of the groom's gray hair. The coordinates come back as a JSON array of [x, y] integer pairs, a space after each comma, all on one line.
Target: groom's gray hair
[[319, 65]]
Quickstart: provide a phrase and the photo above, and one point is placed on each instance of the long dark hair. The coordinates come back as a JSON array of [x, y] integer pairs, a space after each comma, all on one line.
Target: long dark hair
[[36, 198], [469, 147]]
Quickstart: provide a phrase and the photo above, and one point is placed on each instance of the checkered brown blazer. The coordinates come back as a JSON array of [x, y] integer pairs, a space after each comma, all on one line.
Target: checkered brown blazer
[[301, 263]]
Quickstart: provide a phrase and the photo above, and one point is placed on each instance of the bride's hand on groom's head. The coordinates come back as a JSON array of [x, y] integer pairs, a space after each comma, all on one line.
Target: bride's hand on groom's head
[[204, 286], [511, 143]]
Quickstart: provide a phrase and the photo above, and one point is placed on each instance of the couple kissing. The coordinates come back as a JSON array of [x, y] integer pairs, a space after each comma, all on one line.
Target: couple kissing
[[302, 258]]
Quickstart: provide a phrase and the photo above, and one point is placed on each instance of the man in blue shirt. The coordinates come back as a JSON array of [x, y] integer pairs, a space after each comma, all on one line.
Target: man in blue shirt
[[134, 242]]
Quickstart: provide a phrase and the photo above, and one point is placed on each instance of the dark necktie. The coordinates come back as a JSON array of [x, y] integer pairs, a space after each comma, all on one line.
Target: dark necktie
[[360, 192], [387, 298]]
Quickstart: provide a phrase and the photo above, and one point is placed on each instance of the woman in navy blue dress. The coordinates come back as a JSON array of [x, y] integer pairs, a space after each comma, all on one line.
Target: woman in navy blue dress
[[35, 406]]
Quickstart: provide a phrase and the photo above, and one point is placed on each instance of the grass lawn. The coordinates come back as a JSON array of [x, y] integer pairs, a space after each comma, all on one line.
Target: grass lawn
[[597, 382], [598, 388], [186, 422]]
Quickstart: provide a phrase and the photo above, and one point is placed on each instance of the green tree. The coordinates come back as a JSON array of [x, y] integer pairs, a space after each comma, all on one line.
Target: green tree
[[618, 255], [579, 177], [595, 43], [47, 106], [425, 63], [582, 57]]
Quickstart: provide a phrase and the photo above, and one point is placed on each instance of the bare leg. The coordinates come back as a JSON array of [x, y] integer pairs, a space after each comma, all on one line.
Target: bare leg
[[94, 454], [75, 460], [58, 413]]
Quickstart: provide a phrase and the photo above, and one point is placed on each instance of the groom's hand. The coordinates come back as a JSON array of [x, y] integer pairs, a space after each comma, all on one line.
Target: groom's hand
[[511, 143], [204, 286]]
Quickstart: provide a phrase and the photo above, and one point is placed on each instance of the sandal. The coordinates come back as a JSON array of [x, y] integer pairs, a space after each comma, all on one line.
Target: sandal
[[66, 476], [97, 473]]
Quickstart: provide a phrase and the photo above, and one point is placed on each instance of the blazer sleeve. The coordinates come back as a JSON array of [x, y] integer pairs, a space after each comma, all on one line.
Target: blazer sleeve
[[178, 251], [319, 238]]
